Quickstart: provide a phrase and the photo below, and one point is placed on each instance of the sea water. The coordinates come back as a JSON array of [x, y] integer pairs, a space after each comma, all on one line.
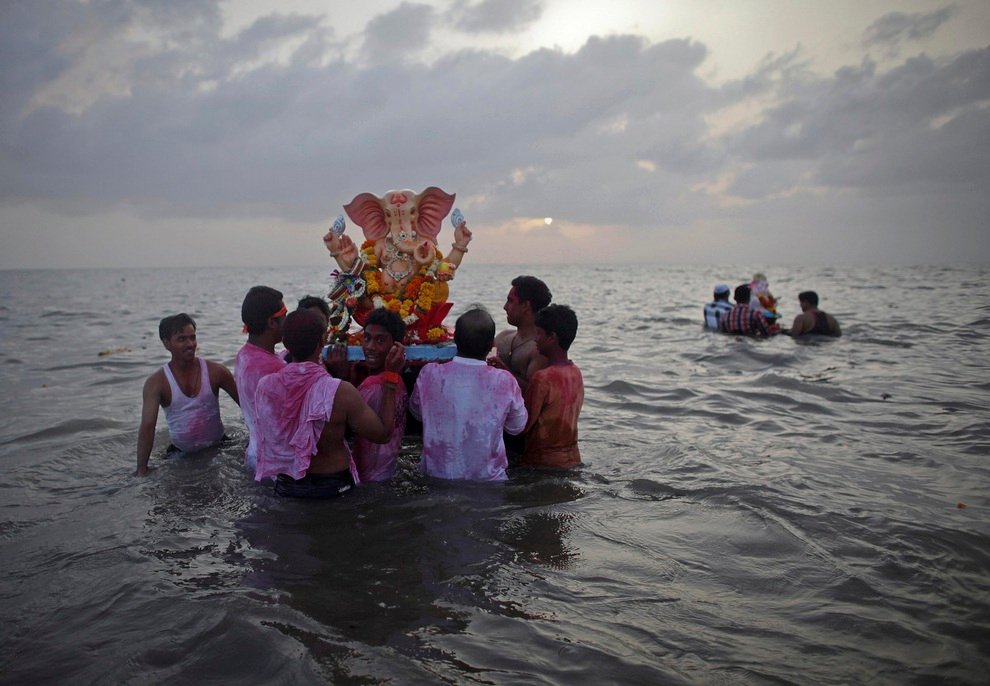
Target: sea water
[[748, 512]]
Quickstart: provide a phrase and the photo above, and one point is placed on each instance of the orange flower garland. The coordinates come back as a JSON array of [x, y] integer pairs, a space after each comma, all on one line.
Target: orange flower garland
[[414, 300]]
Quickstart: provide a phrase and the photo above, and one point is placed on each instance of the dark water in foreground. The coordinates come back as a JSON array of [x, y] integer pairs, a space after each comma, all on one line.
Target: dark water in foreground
[[750, 512]]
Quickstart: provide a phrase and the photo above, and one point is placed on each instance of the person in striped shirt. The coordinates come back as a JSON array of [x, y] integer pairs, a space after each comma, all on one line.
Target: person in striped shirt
[[743, 319]]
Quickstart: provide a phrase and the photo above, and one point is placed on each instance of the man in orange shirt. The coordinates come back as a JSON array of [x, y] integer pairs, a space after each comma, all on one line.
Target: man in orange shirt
[[554, 395]]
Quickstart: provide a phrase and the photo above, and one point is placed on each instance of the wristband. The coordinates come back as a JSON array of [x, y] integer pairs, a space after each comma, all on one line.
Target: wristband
[[391, 378], [462, 248]]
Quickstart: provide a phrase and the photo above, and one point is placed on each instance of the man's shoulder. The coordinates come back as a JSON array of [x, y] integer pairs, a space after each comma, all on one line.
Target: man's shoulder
[[553, 372], [504, 335], [156, 378], [213, 365], [253, 355]]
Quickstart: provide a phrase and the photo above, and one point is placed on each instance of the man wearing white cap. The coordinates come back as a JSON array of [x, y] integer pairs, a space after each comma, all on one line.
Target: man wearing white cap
[[718, 308]]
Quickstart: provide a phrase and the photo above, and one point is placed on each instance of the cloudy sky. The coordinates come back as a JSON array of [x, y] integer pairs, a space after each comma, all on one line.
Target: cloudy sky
[[184, 132]]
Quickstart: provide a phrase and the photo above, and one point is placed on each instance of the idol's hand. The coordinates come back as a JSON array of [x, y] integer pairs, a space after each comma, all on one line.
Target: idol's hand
[[462, 235]]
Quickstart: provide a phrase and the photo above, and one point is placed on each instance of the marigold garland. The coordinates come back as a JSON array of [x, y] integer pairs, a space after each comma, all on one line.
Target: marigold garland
[[414, 300]]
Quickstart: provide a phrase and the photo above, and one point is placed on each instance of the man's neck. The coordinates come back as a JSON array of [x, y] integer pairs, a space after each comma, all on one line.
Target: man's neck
[[526, 330], [262, 341], [182, 364]]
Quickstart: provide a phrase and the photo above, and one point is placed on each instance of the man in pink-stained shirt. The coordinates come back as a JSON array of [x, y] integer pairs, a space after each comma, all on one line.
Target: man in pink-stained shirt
[[263, 313], [302, 413], [379, 461], [465, 405]]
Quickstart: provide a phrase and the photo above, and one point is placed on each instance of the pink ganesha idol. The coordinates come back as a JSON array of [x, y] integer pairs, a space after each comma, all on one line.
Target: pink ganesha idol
[[399, 265]]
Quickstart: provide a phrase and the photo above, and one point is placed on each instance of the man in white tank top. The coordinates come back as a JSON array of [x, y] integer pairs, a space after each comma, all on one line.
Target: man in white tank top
[[188, 388]]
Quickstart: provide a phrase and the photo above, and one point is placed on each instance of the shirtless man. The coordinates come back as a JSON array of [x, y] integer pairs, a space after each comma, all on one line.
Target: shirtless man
[[302, 413], [517, 351], [813, 320], [188, 388]]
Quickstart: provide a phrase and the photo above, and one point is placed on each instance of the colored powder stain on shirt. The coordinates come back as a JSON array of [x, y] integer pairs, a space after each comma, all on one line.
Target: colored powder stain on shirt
[[554, 399], [465, 405], [251, 366]]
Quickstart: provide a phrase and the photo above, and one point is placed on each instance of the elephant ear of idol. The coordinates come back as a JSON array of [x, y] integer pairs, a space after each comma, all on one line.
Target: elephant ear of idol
[[366, 211], [434, 204]]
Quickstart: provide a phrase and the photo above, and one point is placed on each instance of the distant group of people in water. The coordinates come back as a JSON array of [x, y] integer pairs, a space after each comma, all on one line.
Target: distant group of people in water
[[755, 312], [318, 425]]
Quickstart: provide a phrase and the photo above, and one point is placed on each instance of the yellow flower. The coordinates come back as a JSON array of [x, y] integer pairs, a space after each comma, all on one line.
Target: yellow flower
[[372, 285]]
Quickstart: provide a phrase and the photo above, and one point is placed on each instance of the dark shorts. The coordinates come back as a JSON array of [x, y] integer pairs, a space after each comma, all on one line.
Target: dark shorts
[[515, 446], [172, 449], [315, 485]]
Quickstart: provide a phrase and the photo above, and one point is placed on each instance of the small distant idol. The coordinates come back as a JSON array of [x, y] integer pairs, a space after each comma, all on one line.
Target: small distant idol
[[399, 265]]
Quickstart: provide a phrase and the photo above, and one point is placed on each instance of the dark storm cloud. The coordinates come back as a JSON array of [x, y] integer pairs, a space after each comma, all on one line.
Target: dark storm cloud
[[617, 133], [495, 16], [899, 130], [197, 135], [897, 27]]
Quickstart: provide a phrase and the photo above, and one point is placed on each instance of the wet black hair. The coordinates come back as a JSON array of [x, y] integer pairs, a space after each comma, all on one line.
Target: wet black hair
[[809, 297], [530, 289], [388, 320], [560, 320], [260, 303], [742, 294], [319, 303], [302, 333], [169, 326]]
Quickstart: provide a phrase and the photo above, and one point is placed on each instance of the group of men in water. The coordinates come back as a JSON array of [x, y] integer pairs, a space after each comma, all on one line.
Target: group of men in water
[[755, 312], [318, 425]]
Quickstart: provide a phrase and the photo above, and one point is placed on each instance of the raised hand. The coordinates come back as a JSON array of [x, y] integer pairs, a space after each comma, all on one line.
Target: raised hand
[[462, 235], [341, 248], [395, 360]]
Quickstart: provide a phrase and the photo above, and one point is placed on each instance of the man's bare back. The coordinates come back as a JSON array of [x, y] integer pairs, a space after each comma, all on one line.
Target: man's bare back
[[350, 410]]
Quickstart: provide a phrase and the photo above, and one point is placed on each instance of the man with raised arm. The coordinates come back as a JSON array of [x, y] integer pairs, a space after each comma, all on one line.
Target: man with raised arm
[[302, 414], [379, 461], [188, 389]]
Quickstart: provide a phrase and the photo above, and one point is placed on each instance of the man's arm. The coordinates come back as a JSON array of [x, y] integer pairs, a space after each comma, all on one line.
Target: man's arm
[[220, 377], [534, 364], [515, 422], [366, 423], [151, 400], [336, 362], [836, 331], [415, 405], [361, 418], [535, 398], [797, 328]]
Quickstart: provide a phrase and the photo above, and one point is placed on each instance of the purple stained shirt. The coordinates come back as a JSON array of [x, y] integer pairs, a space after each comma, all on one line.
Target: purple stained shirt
[[251, 366], [465, 405], [378, 461]]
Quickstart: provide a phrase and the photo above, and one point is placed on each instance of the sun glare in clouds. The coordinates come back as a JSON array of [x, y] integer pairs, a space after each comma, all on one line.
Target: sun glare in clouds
[[569, 24]]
